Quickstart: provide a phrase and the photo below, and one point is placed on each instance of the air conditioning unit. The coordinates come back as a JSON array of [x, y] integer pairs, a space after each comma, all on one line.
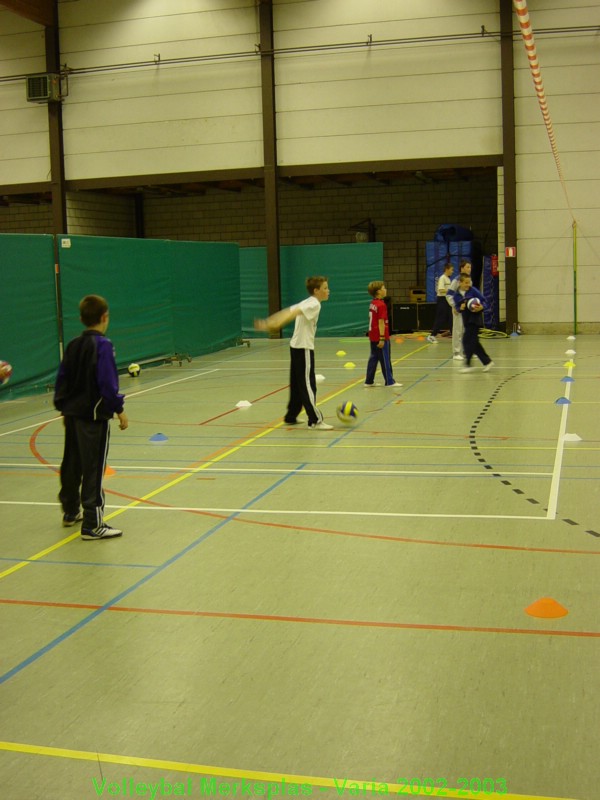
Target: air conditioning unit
[[44, 88]]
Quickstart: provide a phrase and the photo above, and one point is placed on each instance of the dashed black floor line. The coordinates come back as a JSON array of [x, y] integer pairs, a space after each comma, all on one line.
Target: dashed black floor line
[[482, 460]]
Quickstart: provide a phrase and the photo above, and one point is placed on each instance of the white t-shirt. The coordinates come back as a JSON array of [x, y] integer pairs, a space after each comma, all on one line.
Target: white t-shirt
[[443, 285], [306, 324]]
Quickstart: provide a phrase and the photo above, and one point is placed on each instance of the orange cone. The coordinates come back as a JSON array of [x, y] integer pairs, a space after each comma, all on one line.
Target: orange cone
[[109, 472], [546, 608], [399, 341]]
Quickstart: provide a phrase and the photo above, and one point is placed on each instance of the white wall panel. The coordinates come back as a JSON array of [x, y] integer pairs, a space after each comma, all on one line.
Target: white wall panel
[[406, 101], [24, 145], [167, 135], [534, 166], [341, 122], [180, 159], [94, 34], [389, 145], [333, 21], [140, 107], [28, 169], [164, 118], [545, 195], [555, 280], [21, 45], [400, 91], [570, 70]]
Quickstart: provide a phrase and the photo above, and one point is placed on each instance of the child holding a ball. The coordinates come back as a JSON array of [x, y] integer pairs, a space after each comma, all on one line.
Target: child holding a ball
[[470, 303], [87, 395]]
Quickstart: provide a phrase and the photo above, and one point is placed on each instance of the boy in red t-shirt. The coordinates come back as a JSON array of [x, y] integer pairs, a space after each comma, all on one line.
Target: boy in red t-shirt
[[379, 337]]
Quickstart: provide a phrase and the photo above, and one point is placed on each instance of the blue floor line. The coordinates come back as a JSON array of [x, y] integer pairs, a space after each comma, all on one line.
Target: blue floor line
[[117, 599]]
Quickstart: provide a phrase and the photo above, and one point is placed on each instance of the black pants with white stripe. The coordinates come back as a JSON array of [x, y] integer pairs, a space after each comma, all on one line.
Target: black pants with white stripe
[[303, 386], [82, 469]]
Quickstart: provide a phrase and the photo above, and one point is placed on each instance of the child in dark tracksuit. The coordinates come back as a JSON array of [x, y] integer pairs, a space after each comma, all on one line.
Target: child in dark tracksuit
[[87, 395], [473, 322]]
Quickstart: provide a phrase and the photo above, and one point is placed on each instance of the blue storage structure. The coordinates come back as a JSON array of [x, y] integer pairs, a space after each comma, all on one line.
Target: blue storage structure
[[439, 253]]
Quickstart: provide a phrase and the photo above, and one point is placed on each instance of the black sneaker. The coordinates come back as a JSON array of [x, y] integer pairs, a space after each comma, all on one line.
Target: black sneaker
[[71, 519], [101, 532]]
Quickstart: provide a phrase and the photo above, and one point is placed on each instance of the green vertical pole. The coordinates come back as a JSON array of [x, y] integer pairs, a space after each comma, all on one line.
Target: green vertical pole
[[574, 278]]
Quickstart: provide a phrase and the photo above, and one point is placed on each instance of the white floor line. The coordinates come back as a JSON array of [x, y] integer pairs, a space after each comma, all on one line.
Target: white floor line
[[127, 396], [560, 449], [281, 471], [291, 512], [170, 383], [29, 427]]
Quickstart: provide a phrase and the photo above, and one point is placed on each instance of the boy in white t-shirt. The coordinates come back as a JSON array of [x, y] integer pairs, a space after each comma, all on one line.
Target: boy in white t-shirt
[[303, 385]]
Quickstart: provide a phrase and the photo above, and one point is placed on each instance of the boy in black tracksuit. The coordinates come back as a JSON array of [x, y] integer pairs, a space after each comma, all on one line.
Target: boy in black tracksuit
[[87, 395], [473, 321]]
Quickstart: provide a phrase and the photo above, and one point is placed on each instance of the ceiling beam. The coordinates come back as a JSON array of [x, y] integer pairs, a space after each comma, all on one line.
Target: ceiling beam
[[41, 11]]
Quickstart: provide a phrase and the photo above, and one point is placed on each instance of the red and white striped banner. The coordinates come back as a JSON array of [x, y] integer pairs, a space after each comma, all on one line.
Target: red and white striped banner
[[527, 33]]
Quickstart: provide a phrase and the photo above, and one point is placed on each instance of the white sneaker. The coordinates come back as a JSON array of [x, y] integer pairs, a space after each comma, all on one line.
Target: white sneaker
[[321, 426], [488, 367], [101, 532], [387, 386], [368, 385], [467, 369], [432, 339], [458, 357]]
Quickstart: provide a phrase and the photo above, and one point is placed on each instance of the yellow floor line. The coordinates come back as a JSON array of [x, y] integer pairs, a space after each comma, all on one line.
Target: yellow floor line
[[264, 777], [185, 476], [133, 504]]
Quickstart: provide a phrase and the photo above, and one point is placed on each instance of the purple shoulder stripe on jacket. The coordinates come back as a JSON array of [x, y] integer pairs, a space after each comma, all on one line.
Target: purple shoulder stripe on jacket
[[107, 376]]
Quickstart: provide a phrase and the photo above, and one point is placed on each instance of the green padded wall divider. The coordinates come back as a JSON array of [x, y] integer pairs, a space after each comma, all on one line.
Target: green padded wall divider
[[349, 268], [253, 286], [165, 297], [205, 291], [29, 327], [133, 276]]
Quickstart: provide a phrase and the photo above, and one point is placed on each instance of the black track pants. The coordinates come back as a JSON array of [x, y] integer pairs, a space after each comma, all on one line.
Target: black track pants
[[82, 469]]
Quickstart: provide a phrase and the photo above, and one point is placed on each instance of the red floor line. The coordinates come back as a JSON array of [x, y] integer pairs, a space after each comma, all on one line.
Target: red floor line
[[311, 620], [284, 526], [232, 410]]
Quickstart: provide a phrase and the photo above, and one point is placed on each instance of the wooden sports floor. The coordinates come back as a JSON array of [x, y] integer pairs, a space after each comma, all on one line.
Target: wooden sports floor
[[365, 611]]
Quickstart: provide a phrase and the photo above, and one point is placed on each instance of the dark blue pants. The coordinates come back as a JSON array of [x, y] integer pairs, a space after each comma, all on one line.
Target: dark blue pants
[[381, 356], [82, 469], [472, 346]]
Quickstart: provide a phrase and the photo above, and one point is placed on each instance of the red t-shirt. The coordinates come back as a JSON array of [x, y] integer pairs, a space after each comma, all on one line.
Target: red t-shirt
[[377, 311]]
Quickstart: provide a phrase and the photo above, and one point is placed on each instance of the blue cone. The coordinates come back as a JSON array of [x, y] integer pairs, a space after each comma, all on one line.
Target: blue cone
[[159, 437], [563, 401], [567, 379]]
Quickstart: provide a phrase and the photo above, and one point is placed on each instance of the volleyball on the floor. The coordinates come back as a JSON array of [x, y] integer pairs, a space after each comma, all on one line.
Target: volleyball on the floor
[[347, 412], [474, 304], [5, 371], [134, 370]]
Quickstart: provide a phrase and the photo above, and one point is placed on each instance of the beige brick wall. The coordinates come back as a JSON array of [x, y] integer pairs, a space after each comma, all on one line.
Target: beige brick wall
[[88, 214], [25, 218], [405, 216]]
